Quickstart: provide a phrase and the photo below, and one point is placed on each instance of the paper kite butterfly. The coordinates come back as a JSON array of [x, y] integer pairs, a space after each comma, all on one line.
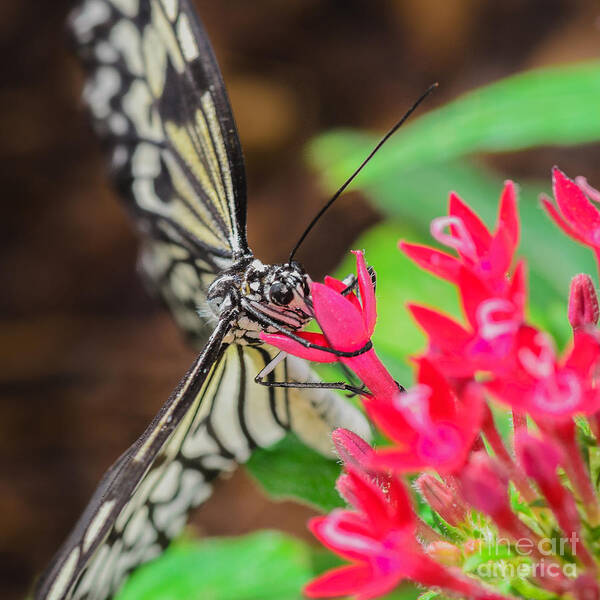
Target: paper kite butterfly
[[159, 106]]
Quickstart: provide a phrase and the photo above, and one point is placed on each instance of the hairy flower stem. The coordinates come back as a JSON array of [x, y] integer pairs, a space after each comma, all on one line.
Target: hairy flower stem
[[576, 470], [426, 533], [497, 445]]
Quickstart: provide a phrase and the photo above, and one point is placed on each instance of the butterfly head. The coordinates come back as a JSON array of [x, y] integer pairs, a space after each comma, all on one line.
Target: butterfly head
[[265, 297], [280, 292]]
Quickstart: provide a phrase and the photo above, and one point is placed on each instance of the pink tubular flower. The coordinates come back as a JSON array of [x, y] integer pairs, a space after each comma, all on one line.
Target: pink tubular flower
[[493, 323], [488, 255], [544, 386], [347, 326], [574, 213], [431, 426], [378, 538]]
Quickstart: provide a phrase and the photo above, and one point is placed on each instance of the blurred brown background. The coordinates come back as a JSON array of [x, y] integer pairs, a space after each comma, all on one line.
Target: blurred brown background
[[85, 357]]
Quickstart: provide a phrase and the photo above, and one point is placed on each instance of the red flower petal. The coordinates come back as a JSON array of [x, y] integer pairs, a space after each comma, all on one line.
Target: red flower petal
[[576, 208], [439, 263], [380, 586], [401, 461], [442, 331], [342, 581], [584, 354], [339, 287], [518, 287], [498, 260], [557, 218], [479, 233], [346, 533], [508, 215], [367, 293], [442, 402], [473, 291], [391, 421], [287, 344], [339, 319], [376, 505]]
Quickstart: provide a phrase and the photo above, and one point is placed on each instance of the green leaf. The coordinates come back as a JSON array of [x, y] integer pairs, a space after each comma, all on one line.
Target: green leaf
[[556, 105], [405, 591], [289, 469], [264, 565]]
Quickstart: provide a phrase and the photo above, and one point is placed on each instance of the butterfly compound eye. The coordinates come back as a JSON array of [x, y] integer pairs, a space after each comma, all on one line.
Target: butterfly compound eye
[[280, 293]]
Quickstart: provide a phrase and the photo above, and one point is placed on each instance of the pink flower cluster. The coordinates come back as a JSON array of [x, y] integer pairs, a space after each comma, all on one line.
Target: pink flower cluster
[[443, 428]]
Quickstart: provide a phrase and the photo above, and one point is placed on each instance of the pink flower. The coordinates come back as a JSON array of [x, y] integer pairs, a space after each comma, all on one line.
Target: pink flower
[[574, 213], [347, 326], [545, 386], [488, 255], [378, 538], [493, 323], [430, 425]]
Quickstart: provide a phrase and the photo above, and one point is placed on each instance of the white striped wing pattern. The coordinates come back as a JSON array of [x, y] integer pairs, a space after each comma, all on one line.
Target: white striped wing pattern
[[160, 108]]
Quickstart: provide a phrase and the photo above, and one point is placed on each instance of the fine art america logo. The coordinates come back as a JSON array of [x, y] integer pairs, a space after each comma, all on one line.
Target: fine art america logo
[[543, 554]]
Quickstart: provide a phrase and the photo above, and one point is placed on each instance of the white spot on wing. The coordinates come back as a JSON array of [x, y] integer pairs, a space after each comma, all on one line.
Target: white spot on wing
[[155, 57], [192, 482], [138, 106], [188, 44], [136, 526], [92, 13], [107, 577], [118, 124], [96, 524], [119, 157], [224, 416], [105, 52], [167, 486], [59, 587], [127, 7], [145, 162], [257, 413], [126, 38], [170, 7], [99, 91], [198, 444], [88, 580]]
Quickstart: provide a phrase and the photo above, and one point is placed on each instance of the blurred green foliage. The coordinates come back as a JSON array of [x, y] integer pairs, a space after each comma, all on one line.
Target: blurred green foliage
[[408, 182]]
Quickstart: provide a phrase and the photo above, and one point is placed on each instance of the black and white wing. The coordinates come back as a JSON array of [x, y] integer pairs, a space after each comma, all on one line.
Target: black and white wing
[[159, 105], [213, 421]]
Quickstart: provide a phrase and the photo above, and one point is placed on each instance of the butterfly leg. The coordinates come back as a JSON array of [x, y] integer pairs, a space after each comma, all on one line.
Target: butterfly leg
[[268, 321], [338, 385], [351, 281]]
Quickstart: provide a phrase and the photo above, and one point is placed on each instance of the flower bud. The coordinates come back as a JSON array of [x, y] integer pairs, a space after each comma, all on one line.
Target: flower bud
[[351, 448], [585, 588], [471, 547], [485, 484], [445, 553], [583, 302], [441, 499]]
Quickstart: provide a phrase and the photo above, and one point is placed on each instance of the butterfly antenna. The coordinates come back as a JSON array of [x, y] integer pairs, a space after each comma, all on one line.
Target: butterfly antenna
[[348, 181]]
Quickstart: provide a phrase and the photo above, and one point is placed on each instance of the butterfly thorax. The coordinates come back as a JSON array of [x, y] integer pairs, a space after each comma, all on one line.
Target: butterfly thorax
[[259, 297]]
